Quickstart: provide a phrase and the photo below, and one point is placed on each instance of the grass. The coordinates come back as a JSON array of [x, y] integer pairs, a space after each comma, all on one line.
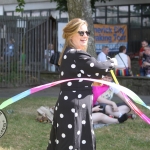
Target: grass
[[25, 133]]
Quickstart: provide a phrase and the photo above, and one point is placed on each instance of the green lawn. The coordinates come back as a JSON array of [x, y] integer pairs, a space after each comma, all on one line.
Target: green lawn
[[25, 133]]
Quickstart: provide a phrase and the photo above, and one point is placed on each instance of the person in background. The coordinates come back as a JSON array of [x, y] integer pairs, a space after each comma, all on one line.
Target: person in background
[[72, 126], [144, 43], [9, 50], [103, 55], [47, 55], [102, 96], [146, 61], [99, 117], [123, 63]]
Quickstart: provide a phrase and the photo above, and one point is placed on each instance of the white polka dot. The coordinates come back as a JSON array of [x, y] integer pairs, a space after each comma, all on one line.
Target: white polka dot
[[78, 133], [83, 141], [92, 131], [70, 147], [56, 108], [65, 97], [49, 141], [91, 64], [80, 80], [82, 71], [57, 125], [73, 66], [62, 73], [69, 126], [83, 122], [61, 116], [88, 75], [86, 86], [69, 83], [83, 105], [79, 75], [79, 95], [73, 91], [63, 135], [60, 92], [90, 117], [84, 58], [97, 74], [65, 56], [76, 114], [73, 110], [56, 141]]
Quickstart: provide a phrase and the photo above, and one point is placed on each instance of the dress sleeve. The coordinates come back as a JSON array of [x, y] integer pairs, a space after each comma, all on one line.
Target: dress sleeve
[[90, 66]]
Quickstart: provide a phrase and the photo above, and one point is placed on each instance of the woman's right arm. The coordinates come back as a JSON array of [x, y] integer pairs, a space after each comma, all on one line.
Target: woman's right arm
[[103, 100]]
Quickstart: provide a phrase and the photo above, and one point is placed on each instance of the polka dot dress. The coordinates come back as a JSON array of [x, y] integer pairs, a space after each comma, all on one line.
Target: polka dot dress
[[72, 127]]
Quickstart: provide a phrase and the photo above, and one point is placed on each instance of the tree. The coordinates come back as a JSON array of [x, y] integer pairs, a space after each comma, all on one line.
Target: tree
[[81, 9], [76, 9], [20, 6]]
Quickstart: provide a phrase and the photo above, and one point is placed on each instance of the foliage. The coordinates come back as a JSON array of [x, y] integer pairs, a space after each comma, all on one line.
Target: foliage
[[20, 6], [61, 4], [145, 9]]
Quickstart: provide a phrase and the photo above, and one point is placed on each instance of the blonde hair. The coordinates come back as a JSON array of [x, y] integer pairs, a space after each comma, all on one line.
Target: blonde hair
[[71, 28]]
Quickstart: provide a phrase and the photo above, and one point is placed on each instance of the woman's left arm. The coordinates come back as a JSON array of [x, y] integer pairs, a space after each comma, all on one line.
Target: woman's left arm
[[89, 65]]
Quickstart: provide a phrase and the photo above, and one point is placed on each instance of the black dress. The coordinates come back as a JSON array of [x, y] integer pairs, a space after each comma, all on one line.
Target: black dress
[[72, 127]]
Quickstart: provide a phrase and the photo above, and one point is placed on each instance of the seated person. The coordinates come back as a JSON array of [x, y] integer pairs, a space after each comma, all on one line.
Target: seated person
[[146, 61], [102, 95], [97, 117]]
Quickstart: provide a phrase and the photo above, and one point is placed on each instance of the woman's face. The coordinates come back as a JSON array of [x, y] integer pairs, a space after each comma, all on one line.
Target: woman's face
[[80, 39]]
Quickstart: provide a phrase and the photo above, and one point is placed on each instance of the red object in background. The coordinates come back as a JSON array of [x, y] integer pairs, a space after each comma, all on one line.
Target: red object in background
[[133, 55]]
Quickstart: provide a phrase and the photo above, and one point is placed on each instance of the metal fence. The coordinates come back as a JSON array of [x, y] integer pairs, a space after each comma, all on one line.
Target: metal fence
[[24, 49]]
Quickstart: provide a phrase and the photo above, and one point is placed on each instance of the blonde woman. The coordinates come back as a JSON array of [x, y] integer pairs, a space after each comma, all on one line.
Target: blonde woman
[[72, 127]]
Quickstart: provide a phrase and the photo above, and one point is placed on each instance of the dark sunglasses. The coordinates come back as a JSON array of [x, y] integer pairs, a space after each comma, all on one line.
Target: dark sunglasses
[[81, 33]]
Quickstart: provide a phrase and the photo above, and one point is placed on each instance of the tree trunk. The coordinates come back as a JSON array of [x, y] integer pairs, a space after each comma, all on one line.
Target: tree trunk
[[82, 9]]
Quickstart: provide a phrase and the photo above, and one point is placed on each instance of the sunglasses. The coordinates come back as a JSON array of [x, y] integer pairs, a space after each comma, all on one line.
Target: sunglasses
[[81, 33]]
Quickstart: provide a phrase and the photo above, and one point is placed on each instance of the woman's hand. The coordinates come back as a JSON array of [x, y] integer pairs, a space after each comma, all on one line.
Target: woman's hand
[[96, 108], [114, 61], [114, 107]]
